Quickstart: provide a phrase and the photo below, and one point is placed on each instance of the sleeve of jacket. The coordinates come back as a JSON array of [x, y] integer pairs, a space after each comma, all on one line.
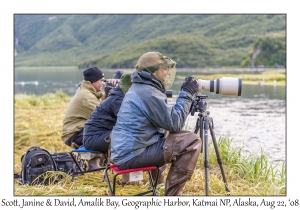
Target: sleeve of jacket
[[165, 116], [115, 106]]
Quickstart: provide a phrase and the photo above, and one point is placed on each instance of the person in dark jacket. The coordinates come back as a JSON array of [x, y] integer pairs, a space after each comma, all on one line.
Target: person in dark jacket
[[101, 121]]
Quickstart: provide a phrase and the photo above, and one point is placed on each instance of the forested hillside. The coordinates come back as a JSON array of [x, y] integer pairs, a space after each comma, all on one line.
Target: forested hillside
[[118, 40]]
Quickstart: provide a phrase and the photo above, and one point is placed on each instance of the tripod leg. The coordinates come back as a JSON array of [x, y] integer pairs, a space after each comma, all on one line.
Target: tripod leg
[[200, 123], [206, 163], [217, 153]]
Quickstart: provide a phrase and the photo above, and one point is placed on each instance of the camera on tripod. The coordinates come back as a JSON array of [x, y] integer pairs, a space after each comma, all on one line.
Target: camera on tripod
[[226, 86]]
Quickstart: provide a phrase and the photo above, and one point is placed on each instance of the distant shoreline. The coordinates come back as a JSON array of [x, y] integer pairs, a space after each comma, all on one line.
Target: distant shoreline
[[265, 83]]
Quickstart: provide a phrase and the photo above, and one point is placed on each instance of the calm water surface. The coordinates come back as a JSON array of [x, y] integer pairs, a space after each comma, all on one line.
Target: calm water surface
[[255, 121]]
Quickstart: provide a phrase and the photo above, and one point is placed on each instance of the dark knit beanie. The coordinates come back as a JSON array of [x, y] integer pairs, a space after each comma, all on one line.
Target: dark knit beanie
[[118, 74], [93, 74]]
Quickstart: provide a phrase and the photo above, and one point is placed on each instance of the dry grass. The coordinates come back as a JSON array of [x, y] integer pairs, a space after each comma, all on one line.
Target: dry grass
[[38, 122]]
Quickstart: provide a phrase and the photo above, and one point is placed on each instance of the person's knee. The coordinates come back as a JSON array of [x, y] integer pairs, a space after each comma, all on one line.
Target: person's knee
[[181, 143], [195, 142]]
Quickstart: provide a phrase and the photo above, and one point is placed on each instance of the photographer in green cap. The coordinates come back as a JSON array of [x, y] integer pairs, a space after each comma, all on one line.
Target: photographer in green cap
[[139, 138]]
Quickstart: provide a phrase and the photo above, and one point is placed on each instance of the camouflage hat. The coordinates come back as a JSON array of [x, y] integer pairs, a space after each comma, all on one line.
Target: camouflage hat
[[152, 61], [125, 82]]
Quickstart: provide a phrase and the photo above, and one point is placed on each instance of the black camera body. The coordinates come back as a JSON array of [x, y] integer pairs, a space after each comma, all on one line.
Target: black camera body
[[189, 78], [199, 104]]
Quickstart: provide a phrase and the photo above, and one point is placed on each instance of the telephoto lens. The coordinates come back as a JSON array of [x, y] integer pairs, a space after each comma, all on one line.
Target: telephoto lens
[[227, 86]]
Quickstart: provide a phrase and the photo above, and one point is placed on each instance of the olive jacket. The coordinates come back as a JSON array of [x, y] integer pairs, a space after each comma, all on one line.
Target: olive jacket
[[80, 108]]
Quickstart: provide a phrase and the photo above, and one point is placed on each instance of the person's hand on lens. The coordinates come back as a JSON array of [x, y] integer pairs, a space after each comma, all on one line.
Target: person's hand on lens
[[190, 85]]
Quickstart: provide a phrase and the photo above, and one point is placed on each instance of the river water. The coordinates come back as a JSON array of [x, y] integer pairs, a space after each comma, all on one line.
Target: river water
[[255, 121]]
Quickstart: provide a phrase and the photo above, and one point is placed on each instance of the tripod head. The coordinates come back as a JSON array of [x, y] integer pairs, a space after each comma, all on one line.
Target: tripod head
[[199, 104]]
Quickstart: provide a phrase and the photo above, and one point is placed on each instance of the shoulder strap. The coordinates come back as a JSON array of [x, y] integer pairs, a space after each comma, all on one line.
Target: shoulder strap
[[21, 176]]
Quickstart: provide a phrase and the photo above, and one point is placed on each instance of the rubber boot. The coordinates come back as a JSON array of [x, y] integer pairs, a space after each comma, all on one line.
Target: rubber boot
[[182, 150], [161, 176], [94, 162]]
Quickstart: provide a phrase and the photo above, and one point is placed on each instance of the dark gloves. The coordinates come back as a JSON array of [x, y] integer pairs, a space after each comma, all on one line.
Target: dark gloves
[[190, 85]]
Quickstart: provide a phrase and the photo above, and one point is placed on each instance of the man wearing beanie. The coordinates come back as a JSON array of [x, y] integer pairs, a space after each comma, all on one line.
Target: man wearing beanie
[[139, 138], [82, 105]]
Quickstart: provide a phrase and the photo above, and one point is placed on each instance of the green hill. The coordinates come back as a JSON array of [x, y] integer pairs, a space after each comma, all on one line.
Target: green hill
[[118, 40]]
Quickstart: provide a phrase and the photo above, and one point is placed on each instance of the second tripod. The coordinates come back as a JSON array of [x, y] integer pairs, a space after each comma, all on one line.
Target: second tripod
[[203, 123]]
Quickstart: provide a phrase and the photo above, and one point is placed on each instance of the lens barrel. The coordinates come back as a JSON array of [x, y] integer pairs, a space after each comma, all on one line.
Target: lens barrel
[[117, 80], [227, 86]]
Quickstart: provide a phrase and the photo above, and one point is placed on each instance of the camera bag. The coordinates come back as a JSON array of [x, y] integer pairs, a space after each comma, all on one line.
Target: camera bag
[[35, 162]]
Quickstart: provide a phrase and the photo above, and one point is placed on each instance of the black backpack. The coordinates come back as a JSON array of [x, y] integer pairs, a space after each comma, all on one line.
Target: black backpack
[[35, 163]]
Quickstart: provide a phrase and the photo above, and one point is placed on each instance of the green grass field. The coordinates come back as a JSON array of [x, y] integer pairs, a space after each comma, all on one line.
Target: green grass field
[[38, 122]]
